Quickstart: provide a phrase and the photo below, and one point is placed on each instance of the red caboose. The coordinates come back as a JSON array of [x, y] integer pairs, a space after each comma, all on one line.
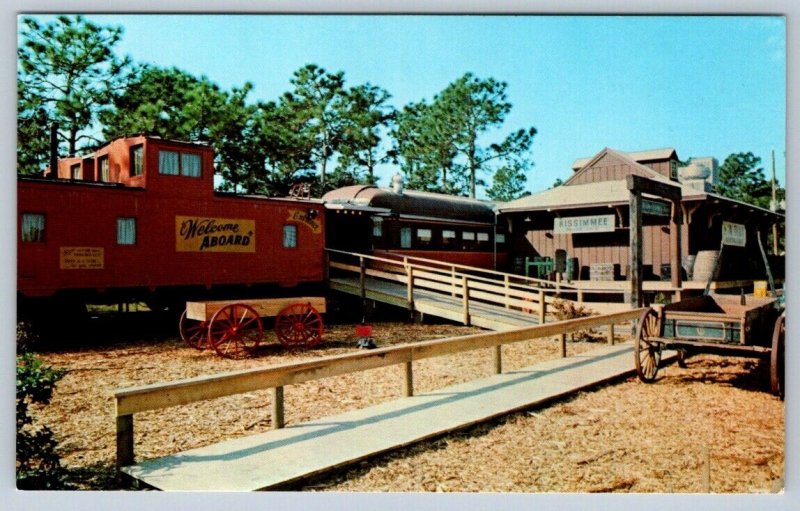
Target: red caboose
[[138, 219]]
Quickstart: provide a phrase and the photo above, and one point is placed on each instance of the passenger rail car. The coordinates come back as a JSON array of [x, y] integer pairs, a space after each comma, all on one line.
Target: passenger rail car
[[139, 220], [398, 222]]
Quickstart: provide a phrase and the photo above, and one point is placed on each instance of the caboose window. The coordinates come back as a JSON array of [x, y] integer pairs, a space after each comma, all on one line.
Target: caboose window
[[126, 231], [32, 228], [468, 236], [137, 160], [289, 236], [105, 176], [405, 237], [75, 171], [190, 164], [499, 238], [168, 163]]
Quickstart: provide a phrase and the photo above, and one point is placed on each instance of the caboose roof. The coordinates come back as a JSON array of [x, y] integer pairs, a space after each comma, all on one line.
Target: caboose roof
[[412, 203]]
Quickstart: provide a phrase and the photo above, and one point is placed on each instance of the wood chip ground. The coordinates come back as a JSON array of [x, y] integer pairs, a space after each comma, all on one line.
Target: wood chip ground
[[711, 427]]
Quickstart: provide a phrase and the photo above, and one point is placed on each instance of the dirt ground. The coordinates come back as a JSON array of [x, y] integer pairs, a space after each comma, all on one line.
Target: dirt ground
[[711, 427]]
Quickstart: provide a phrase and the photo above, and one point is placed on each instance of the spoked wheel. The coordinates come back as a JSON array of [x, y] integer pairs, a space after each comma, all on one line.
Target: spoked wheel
[[235, 331], [647, 353], [299, 325], [777, 367], [193, 332]]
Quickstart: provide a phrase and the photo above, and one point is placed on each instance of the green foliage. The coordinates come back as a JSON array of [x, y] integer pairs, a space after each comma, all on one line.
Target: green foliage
[[38, 464], [366, 113], [439, 143], [67, 73], [318, 101], [741, 178]]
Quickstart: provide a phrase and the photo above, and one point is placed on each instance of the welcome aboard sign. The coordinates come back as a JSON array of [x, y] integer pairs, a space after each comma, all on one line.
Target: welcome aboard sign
[[203, 234]]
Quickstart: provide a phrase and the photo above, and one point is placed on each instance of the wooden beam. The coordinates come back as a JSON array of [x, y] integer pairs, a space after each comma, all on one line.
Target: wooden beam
[[163, 395], [635, 273], [277, 408], [408, 379], [124, 440], [498, 359], [643, 185]]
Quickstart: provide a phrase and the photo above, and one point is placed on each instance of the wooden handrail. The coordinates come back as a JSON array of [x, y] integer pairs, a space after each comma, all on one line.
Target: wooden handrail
[[471, 270], [162, 395], [561, 287]]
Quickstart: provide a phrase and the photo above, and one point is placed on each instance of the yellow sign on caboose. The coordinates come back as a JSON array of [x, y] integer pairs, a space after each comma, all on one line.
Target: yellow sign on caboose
[[305, 217], [81, 258], [203, 234]]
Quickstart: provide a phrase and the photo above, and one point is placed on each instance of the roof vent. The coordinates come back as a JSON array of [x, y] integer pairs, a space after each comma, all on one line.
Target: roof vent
[[397, 183]]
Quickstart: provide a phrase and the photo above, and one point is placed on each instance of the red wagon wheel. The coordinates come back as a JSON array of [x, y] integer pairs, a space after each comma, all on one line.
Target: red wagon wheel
[[647, 353], [299, 325], [777, 366], [193, 332], [235, 331]]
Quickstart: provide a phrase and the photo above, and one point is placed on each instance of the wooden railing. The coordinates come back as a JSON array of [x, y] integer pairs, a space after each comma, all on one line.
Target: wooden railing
[[162, 395], [459, 281]]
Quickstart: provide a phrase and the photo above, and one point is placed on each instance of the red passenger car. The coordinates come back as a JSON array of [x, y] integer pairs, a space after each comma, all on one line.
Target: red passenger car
[[138, 219]]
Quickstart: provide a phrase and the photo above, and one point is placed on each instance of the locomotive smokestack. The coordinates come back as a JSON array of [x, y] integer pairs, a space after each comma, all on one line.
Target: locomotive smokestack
[[53, 151]]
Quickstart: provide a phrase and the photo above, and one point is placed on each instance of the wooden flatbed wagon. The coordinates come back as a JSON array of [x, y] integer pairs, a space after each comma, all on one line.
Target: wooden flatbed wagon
[[233, 328], [721, 324]]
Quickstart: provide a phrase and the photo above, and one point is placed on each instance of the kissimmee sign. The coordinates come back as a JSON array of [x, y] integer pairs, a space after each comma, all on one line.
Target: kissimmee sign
[[577, 224], [203, 234], [733, 234]]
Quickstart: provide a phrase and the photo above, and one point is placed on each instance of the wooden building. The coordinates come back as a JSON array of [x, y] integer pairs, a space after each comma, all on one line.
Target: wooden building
[[588, 218]]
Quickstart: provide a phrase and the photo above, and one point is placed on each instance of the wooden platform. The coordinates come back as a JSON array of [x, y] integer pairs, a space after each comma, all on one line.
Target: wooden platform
[[277, 457]]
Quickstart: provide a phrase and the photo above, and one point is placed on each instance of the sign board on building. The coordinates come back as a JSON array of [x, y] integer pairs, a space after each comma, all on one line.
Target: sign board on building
[[578, 224], [655, 208], [733, 234]]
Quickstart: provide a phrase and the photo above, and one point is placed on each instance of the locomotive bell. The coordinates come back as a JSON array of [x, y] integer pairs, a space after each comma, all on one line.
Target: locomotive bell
[[397, 183]]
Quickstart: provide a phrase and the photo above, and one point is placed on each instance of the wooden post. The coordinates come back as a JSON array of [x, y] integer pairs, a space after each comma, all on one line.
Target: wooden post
[[506, 284], [465, 288], [453, 281], [675, 245], [277, 408], [563, 339], [611, 334], [635, 272], [580, 295], [498, 359], [408, 380], [542, 307], [362, 278], [410, 291], [124, 440]]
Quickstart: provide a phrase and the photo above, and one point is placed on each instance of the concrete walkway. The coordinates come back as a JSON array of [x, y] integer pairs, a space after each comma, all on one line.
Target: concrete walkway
[[266, 460]]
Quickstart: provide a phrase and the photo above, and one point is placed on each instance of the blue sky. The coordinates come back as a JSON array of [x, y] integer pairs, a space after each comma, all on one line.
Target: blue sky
[[705, 85]]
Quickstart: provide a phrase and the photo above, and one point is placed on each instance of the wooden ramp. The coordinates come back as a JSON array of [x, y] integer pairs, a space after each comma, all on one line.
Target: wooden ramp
[[277, 457], [485, 298], [484, 315]]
